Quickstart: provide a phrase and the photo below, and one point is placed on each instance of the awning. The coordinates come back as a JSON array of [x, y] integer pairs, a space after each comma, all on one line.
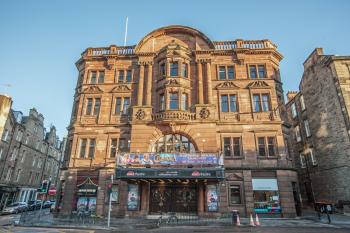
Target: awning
[[170, 173]]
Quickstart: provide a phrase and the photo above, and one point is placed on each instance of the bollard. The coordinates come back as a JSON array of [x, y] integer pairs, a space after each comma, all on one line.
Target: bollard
[[234, 217]]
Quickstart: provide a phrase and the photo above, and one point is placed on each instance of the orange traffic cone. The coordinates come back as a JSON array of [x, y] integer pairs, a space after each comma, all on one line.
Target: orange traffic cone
[[238, 221], [251, 222], [257, 222]]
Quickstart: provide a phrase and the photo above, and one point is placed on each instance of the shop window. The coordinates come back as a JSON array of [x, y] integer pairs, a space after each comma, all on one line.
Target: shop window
[[174, 69], [174, 101], [162, 102], [113, 148], [235, 194], [266, 196], [184, 70], [232, 146]]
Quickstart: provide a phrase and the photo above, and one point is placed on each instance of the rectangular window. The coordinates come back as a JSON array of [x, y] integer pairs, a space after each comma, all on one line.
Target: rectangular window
[[302, 160], [101, 77], [265, 102], [126, 105], [118, 105], [174, 69], [184, 70], [184, 101], [236, 146], [18, 174], [271, 144], [297, 133], [230, 72], [252, 71], [312, 157], [227, 147], [162, 70], [162, 102], [1, 151], [294, 110], [113, 149], [233, 103], [5, 135], [224, 103], [307, 128], [19, 136], [261, 147], [302, 103], [14, 153], [89, 106], [222, 72], [97, 106], [93, 76], [235, 194], [92, 148], [174, 101], [256, 102], [82, 147], [261, 70], [121, 76], [128, 76]]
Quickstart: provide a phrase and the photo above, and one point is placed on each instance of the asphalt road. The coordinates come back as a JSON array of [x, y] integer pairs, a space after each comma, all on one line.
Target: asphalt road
[[11, 229]]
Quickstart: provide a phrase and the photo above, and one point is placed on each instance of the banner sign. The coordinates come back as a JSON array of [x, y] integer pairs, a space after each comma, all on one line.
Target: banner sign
[[212, 198], [167, 159], [133, 197], [264, 184], [189, 173]]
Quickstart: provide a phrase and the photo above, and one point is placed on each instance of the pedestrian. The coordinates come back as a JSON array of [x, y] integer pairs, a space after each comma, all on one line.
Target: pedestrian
[[328, 211]]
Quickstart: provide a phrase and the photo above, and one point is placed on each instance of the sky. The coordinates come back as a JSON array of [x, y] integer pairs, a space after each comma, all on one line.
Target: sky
[[40, 41]]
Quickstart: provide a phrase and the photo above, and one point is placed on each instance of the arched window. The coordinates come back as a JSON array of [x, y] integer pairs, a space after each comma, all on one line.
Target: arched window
[[173, 143]]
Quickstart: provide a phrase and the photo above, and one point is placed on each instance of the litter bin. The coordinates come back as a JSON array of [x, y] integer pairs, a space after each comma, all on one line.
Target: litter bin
[[234, 217]]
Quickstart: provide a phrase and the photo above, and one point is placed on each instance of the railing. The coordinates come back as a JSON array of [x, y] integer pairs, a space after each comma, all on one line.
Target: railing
[[113, 50], [173, 115], [225, 45]]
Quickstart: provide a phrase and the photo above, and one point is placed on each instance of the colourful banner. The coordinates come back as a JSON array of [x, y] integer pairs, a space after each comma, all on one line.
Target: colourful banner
[[133, 197], [212, 198], [167, 159]]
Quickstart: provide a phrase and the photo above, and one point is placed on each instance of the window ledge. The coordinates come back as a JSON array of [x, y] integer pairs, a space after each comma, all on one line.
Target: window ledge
[[268, 157], [233, 158]]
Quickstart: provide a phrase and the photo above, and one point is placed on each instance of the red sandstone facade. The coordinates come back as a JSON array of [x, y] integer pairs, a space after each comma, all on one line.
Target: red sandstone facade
[[179, 95]]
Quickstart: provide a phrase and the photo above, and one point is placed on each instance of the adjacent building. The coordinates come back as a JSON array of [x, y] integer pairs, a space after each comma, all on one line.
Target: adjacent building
[[179, 123], [28, 154], [319, 115]]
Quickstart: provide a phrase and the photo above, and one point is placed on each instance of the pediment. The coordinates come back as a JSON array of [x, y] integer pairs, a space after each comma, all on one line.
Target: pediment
[[227, 85], [121, 88], [92, 90], [258, 84], [234, 176]]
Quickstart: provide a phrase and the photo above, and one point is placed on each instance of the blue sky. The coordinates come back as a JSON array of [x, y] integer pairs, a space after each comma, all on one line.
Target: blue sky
[[41, 40]]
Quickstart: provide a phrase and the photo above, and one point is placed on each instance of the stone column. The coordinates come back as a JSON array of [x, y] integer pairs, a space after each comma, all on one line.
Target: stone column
[[140, 86], [210, 91], [149, 85], [200, 83]]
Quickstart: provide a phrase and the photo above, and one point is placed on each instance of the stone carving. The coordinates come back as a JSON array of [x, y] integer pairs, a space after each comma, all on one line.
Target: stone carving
[[204, 113], [92, 89], [140, 114], [121, 88], [258, 84], [226, 85], [172, 82]]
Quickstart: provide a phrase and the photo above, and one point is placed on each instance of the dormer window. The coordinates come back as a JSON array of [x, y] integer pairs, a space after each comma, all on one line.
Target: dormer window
[[174, 69]]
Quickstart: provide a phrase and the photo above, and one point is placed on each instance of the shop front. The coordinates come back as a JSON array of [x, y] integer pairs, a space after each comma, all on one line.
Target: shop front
[[86, 196], [266, 196]]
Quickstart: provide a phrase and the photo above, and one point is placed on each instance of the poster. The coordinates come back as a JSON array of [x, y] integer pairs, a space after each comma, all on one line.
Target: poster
[[86, 204], [212, 198], [167, 158], [115, 193], [133, 197]]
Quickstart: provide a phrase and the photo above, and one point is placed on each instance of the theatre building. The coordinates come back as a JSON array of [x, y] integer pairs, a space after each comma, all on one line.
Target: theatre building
[[184, 124]]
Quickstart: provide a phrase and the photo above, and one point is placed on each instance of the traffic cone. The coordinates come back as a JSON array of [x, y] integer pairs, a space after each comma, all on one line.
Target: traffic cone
[[238, 221], [251, 222], [257, 222]]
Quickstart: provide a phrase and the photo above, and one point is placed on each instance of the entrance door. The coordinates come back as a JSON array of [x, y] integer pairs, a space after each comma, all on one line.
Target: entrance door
[[173, 198]]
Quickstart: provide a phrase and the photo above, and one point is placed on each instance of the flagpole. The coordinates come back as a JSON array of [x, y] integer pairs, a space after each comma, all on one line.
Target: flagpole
[[126, 30]]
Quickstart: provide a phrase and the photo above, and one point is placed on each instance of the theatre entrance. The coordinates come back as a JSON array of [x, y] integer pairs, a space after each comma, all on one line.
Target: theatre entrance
[[173, 198]]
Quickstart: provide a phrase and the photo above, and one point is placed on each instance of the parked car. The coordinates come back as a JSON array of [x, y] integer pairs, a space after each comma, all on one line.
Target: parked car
[[15, 208], [48, 204], [53, 206], [34, 205]]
